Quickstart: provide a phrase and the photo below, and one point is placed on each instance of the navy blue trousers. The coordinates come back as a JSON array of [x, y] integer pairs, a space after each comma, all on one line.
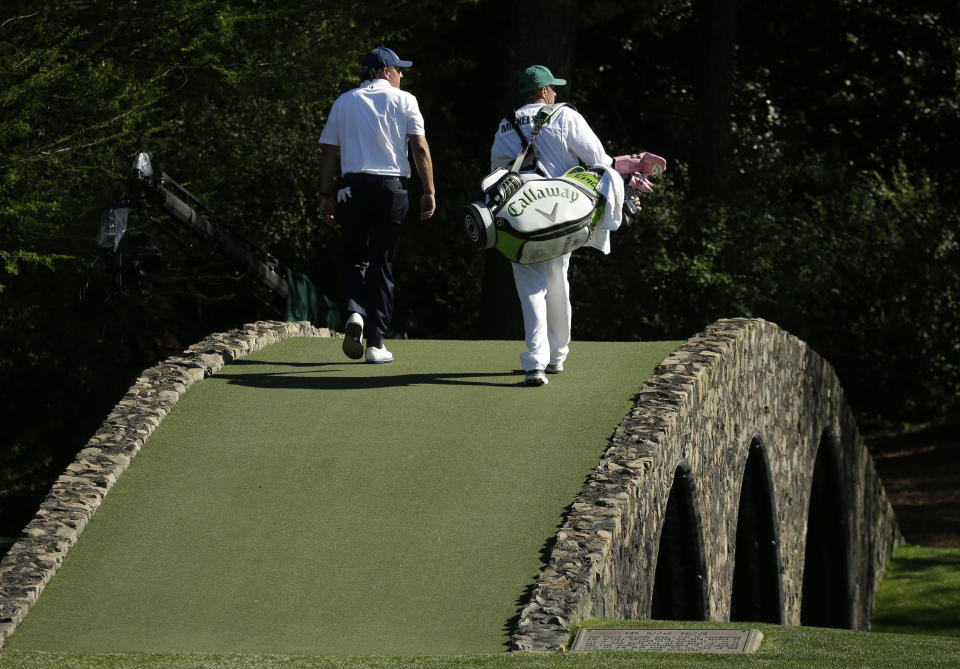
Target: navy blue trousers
[[370, 223]]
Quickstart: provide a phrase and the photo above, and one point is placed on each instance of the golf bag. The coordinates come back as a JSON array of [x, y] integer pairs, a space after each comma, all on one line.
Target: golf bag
[[530, 218]]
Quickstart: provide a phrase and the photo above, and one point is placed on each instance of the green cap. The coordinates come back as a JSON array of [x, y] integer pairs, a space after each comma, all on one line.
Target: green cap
[[537, 76]]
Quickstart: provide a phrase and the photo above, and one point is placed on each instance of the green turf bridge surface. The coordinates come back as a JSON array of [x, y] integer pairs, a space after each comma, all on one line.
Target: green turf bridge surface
[[298, 502]]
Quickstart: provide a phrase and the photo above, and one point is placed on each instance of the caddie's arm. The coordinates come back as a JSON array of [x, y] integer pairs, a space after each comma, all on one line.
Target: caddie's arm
[[421, 158], [583, 141], [328, 163]]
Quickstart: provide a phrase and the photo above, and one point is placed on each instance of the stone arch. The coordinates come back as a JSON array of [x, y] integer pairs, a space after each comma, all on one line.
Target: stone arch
[[757, 589], [679, 584], [827, 583], [703, 406]]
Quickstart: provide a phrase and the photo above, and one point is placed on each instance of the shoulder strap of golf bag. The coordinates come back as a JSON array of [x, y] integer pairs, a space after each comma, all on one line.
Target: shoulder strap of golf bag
[[527, 159], [530, 157], [516, 126]]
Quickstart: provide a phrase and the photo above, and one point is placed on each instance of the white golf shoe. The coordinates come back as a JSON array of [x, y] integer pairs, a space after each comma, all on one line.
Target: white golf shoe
[[353, 337], [379, 355]]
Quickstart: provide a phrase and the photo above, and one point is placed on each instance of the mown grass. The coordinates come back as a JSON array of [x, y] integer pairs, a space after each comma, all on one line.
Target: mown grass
[[920, 594], [340, 509], [782, 647]]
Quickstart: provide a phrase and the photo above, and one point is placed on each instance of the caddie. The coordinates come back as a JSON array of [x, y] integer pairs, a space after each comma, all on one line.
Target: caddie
[[562, 143]]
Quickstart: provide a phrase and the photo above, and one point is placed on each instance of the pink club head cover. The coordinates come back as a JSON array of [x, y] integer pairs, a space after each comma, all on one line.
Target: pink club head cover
[[644, 163], [635, 168]]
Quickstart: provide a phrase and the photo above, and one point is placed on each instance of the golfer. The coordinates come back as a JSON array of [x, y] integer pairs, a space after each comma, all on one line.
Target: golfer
[[371, 127]]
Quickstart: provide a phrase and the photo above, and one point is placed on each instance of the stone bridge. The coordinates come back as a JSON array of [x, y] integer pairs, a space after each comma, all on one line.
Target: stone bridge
[[737, 488]]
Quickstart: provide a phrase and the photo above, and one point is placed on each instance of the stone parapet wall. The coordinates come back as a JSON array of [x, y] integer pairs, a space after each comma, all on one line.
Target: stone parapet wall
[[77, 494], [738, 383]]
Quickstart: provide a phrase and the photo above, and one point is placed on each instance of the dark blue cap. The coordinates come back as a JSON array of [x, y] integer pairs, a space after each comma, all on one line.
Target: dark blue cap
[[382, 57]]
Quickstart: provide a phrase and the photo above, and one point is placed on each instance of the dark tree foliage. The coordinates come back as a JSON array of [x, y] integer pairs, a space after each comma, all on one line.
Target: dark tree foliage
[[812, 181], [830, 212], [229, 99]]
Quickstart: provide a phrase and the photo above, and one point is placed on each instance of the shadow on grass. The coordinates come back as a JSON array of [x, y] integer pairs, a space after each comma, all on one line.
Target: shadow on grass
[[315, 381], [906, 567], [919, 622], [510, 627], [920, 593]]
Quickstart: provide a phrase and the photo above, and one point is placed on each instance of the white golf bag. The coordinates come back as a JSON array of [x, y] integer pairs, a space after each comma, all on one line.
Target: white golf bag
[[530, 218]]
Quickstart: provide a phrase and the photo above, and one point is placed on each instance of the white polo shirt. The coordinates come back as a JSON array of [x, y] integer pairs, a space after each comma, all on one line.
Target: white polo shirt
[[563, 142], [370, 124]]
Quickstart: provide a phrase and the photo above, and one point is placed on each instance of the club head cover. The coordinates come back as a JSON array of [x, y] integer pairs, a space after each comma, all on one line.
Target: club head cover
[[644, 163]]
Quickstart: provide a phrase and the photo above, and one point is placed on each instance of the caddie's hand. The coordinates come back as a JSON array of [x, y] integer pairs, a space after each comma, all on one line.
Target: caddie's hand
[[327, 209], [643, 163], [428, 205], [640, 182]]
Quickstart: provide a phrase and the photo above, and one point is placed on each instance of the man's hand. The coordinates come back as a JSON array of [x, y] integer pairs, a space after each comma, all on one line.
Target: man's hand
[[428, 205], [327, 210], [328, 161]]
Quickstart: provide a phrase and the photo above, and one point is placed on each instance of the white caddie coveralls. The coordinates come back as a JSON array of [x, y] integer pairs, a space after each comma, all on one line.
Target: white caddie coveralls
[[564, 142]]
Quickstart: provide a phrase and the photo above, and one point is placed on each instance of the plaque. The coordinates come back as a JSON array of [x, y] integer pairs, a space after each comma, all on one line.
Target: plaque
[[664, 640]]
